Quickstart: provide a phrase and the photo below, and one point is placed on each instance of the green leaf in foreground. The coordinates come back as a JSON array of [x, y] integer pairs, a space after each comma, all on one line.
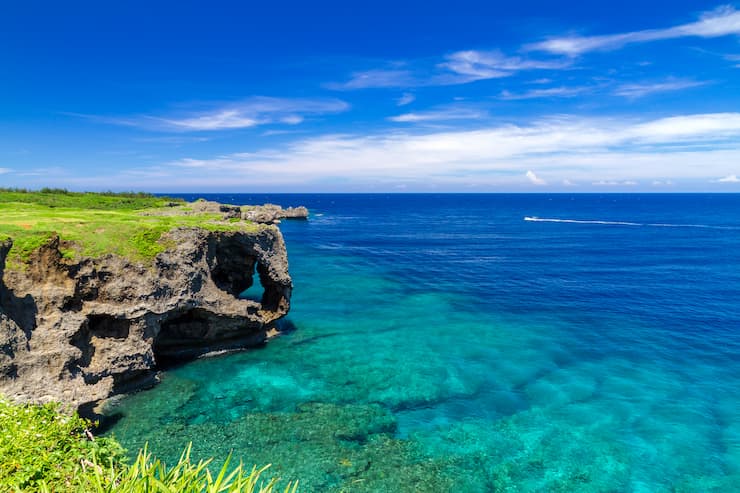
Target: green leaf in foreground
[[45, 450], [40, 445]]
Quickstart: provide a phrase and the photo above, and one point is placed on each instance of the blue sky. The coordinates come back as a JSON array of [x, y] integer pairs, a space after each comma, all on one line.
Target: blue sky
[[382, 96]]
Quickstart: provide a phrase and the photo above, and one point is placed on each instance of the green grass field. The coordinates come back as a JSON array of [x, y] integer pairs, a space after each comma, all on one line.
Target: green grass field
[[96, 224]]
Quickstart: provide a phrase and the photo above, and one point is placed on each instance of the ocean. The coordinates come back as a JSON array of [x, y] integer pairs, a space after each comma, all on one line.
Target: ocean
[[480, 343]]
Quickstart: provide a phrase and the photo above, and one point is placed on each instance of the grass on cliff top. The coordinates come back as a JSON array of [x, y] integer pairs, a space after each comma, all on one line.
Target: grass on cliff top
[[97, 223], [59, 197], [45, 450]]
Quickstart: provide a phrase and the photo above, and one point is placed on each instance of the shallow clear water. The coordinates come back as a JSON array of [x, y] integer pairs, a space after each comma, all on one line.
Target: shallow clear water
[[444, 343]]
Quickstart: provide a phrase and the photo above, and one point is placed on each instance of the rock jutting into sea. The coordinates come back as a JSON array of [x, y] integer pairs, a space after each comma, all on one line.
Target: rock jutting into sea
[[81, 330], [262, 214]]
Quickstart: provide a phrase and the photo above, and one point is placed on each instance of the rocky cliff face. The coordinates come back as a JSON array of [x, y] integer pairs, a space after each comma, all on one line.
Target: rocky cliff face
[[81, 331]]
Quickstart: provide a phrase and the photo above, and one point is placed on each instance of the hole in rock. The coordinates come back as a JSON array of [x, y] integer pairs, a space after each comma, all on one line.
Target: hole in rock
[[179, 337], [242, 276], [233, 271], [256, 291], [191, 325], [10, 371], [107, 326], [195, 332]]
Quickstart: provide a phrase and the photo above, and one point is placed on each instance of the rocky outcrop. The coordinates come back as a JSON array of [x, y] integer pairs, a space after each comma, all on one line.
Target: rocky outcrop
[[81, 331], [264, 214], [271, 213]]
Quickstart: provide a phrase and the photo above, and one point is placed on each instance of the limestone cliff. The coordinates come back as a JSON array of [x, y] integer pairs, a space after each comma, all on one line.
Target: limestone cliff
[[80, 331]]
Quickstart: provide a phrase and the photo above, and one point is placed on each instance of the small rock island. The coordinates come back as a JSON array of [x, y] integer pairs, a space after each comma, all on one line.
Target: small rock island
[[99, 291]]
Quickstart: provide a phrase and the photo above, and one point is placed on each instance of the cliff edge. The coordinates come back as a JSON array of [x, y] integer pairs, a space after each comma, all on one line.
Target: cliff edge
[[79, 330]]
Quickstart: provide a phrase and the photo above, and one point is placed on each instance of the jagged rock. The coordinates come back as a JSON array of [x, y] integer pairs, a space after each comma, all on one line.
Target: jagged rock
[[228, 211], [263, 214], [81, 331], [271, 213]]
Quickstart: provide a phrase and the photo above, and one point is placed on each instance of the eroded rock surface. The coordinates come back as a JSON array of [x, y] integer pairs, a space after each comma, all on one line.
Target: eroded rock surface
[[265, 214], [81, 331]]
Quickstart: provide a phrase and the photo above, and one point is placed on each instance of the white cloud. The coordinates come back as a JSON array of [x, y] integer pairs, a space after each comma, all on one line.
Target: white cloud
[[472, 65], [733, 58], [722, 21], [460, 67], [376, 78], [635, 91], [220, 120], [292, 119], [243, 114], [5, 170], [532, 177], [614, 183], [604, 151], [406, 98], [552, 92], [729, 179], [441, 114], [713, 127], [174, 140], [465, 66]]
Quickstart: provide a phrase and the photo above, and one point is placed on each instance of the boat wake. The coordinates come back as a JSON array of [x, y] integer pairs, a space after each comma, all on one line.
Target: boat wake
[[624, 223]]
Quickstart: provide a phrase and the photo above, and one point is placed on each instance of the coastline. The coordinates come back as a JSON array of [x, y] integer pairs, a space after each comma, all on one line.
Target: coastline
[[78, 329]]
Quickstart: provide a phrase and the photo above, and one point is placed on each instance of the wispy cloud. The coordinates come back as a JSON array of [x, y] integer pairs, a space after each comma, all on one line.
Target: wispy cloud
[[237, 115], [728, 179], [722, 21], [733, 58], [712, 127], [48, 172], [219, 120], [609, 151], [377, 78], [534, 179], [552, 92], [472, 65], [440, 114], [640, 90], [615, 183], [460, 67], [406, 98], [172, 139], [5, 170], [255, 111], [466, 66]]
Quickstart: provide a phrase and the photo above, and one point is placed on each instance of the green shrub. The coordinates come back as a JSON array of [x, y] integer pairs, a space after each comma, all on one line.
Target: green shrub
[[41, 447], [148, 474], [45, 450], [59, 197]]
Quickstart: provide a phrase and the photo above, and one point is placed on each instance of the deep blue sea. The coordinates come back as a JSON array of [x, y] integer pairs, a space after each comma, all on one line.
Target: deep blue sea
[[444, 343]]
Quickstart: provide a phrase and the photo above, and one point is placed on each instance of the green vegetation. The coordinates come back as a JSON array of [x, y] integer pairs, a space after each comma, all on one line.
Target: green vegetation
[[130, 225], [59, 197], [45, 450], [40, 446]]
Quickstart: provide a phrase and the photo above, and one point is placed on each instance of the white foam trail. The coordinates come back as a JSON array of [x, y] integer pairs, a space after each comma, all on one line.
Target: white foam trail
[[624, 223], [577, 221]]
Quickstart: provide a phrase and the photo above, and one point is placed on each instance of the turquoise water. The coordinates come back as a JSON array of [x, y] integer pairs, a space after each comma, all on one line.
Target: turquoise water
[[443, 343]]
